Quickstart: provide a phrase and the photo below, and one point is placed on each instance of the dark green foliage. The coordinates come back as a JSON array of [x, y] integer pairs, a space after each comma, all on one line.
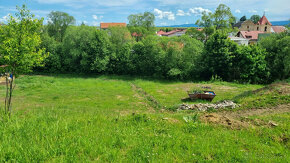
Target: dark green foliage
[[255, 18], [52, 62], [217, 58], [278, 55], [243, 18], [120, 59], [249, 65], [224, 58], [86, 49], [194, 33]]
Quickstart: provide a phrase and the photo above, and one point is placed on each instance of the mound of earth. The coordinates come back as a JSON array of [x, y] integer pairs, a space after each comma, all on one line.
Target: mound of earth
[[224, 121], [281, 88]]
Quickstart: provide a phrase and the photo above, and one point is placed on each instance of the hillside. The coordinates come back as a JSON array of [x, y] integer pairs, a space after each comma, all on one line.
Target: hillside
[[66, 118]]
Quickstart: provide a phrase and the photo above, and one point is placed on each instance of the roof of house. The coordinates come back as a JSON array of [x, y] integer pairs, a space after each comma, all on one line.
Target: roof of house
[[278, 29], [107, 25], [172, 32], [252, 35], [160, 32], [263, 20], [238, 24]]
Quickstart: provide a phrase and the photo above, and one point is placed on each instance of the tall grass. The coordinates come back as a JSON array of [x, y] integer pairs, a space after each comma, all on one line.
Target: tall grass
[[68, 119]]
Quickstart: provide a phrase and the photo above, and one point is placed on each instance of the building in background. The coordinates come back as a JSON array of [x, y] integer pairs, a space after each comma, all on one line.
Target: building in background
[[105, 26], [251, 31]]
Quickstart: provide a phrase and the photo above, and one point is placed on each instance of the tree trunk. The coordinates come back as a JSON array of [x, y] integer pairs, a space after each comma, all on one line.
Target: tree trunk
[[9, 92]]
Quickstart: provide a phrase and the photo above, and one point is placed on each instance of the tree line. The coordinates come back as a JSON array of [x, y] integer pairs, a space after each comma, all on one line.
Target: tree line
[[137, 50]]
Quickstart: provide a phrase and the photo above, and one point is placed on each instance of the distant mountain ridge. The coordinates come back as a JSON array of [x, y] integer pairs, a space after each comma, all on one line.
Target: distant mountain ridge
[[275, 23]]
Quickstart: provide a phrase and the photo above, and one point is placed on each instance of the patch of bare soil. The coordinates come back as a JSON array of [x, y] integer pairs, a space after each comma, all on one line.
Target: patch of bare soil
[[239, 119], [214, 118], [281, 88]]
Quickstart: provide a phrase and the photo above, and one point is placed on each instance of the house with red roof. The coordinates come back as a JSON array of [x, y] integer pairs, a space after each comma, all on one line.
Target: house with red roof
[[262, 25], [176, 32], [251, 31], [252, 36], [108, 25]]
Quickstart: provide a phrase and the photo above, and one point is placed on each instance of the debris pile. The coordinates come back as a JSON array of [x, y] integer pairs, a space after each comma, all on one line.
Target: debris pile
[[205, 107]]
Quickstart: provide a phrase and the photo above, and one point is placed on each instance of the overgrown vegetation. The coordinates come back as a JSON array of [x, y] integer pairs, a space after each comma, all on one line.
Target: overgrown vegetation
[[136, 50], [70, 118]]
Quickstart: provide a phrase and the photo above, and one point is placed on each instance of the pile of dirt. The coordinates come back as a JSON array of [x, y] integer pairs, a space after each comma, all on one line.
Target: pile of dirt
[[239, 119], [205, 107], [224, 121]]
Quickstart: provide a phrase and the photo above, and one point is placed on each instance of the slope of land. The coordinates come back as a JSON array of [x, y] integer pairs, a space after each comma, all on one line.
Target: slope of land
[[67, 118]]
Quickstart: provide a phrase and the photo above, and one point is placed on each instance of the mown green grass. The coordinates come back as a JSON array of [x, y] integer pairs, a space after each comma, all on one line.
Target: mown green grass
[[103, 119]]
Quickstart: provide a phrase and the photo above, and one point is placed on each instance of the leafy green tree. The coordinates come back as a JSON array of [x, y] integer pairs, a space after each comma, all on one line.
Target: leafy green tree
[[249, 65], [122, 42], [85, 49], [53, 61], [217, 57], [58, 23], [145, 20], [19, 48], [223, 17], [194, 33], [138, 33], [147, 57], [255, 18], [243, 18], [207, 23], [278, 55]]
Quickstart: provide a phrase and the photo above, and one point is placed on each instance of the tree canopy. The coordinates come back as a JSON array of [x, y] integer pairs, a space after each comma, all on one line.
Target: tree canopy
[[142, 20], [243, 18], [255, 18], [20, 48], [58, 23]]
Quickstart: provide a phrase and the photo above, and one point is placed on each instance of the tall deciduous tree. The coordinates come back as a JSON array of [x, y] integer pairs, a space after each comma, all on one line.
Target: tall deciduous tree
[[142, 20], [217, 59], [255, 18], [194, 33], [223, 17], [58, 23], [19, 48], [207, 23]]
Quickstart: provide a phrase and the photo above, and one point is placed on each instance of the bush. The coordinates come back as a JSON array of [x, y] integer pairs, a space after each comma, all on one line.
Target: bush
[[278, 55]]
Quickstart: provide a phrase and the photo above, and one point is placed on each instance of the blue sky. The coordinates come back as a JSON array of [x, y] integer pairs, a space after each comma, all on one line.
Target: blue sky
[[167, 12]]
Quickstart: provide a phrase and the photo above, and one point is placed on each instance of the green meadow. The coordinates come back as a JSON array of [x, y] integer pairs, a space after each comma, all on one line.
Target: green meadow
[[69, 118]]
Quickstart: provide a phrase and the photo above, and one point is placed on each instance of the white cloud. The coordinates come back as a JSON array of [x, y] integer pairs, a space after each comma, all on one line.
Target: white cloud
[[164, 14], [95, 17], [82, 3], [182, 13], [238, 11], [252, 11], [4, 18], [199, 10]]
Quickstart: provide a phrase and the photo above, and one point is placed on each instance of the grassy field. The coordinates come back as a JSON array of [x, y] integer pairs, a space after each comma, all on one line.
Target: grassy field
[[121, 119]]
